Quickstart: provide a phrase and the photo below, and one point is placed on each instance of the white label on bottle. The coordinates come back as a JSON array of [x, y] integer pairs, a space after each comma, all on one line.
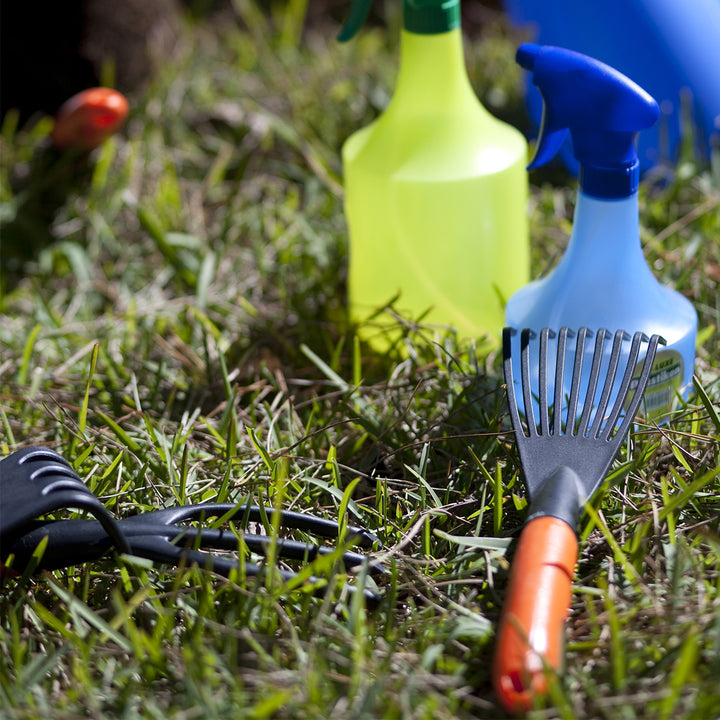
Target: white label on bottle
[[664, 383]]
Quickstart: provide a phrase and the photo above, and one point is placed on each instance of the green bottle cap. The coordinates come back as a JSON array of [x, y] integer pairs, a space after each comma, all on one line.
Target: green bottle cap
[[422, 17], [430, 17]]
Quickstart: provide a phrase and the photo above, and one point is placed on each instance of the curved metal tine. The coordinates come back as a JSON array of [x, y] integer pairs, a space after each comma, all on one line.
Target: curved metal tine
[[200, 512], [323, 527], [597, 424], [508, 334], [47, 462], [592, 382], [254, 513], [108, 523], [298, 550], [43, 453], [56, 468], [67, 492], [163, 551], [208, 538], [582, 335], [608, 432], [542, 383], [560, 380], [160, 549], [642, 382], [525, 338], [69, 542], [67, 480]]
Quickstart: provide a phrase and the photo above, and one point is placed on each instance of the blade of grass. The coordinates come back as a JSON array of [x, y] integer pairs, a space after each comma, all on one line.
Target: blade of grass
[[82, 415], [88, 615], [707, 403], [681, 672], [24, 369]]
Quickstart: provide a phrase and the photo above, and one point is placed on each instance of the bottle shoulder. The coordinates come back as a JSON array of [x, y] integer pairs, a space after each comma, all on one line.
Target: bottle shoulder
[[451, 144], [651, 307]]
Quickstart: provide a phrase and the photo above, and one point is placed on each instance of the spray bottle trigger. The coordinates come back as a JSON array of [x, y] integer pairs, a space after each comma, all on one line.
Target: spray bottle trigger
[[549, 142], [550, 137]]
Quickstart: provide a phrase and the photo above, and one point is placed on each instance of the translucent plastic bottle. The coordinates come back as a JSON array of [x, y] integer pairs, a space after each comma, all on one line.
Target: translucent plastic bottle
[[435, 191], [603, 280]]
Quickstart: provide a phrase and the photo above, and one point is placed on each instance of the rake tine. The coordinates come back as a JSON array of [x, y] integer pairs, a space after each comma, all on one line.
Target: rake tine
[[607, 432], [583, 333], [526, 388], [509, 380], [542, 389], [597, 424], [592, 383], [43, 453], [57, 484], [249, 513], [632, 409], [559, 377]]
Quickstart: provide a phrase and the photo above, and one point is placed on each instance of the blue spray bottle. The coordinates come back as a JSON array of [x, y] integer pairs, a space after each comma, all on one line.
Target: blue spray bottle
[[603, 279]]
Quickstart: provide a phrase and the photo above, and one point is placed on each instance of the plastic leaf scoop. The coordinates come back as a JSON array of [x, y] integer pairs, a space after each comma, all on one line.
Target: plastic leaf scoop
[[564, 455]]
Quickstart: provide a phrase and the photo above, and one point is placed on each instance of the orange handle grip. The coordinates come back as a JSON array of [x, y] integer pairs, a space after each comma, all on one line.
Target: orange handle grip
[[88, 118], [537, 602]]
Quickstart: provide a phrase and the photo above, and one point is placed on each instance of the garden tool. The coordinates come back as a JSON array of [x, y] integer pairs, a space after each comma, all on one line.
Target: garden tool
[[563, 462], [36, 481]]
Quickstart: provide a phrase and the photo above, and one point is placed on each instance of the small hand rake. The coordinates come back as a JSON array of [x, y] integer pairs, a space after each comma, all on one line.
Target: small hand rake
[[563, 461], [36, 481]]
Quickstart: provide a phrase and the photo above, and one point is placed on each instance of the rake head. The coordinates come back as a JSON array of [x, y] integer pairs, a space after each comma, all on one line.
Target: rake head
[[575, 433], [566, 446], [36, 481]]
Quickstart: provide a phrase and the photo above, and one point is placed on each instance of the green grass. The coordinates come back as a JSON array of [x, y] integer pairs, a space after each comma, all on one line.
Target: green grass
[[176, 327]]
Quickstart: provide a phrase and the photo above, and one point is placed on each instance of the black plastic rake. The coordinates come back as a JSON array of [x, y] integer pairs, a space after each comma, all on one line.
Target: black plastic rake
[[565, 450], [581, 430], [36, 481]]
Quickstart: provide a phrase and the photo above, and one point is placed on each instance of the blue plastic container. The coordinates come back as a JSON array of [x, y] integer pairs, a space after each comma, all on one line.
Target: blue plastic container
[[666, 46], [603, 280]]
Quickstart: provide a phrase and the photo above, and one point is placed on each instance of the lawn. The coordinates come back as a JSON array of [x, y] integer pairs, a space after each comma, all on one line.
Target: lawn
[[173, 321]]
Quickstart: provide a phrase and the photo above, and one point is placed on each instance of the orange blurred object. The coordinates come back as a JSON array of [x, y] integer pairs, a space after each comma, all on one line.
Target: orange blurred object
[[88, 118]]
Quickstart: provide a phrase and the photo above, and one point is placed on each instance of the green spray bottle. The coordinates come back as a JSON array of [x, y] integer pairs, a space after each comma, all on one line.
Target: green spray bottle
[[435, 191]]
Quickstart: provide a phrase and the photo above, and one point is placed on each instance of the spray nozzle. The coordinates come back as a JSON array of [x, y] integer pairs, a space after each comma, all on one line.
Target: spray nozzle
[[423, 17], [601, 109]]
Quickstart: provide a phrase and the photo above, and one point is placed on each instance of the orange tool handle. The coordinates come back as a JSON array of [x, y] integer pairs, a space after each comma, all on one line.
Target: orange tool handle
[[530, 637], [88, 118]]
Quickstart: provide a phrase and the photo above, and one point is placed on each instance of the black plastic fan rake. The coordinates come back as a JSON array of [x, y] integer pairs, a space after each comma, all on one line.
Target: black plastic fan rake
[[565, 450], [37, 481]]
